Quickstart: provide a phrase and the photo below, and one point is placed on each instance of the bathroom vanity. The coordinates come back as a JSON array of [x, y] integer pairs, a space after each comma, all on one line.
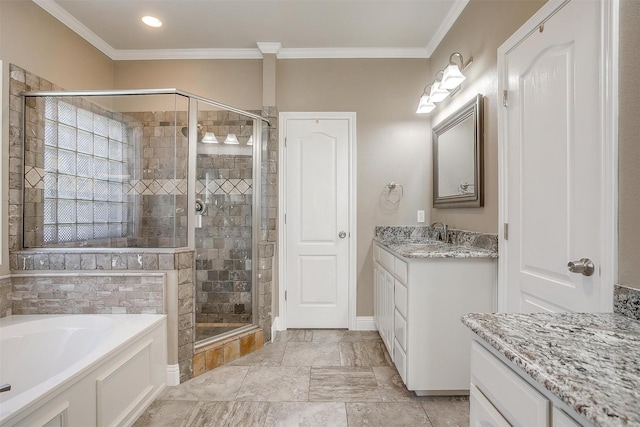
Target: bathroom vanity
[[554, 369], [421, 289]]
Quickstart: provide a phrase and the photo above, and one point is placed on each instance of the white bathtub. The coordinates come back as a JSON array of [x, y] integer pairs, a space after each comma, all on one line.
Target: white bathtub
[[80, 370]]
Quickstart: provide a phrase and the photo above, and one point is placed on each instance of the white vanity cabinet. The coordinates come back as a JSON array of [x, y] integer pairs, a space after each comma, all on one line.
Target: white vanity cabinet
[[501, 397], [418, 303]]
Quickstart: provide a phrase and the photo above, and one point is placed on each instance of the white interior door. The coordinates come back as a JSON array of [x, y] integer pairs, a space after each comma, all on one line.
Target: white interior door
[[317, 221], [556, 164]]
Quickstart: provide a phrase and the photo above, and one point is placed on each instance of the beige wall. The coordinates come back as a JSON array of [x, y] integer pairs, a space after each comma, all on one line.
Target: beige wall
[[34, 40], [481, 28], [629, 145], [393, 143], [234, 82]]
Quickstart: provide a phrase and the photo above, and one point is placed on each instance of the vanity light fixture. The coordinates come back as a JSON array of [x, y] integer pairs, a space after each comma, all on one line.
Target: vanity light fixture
[[453, 77], [425, 105], [209, 138], [231, 139], [152, 21], [437, 94], [446, 83]]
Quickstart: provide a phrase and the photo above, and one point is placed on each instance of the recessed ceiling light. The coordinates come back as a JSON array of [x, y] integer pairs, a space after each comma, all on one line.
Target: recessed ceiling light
[[152, 21]]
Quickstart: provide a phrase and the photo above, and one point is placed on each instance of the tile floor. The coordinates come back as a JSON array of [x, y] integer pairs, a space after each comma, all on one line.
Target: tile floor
[[305, 378]]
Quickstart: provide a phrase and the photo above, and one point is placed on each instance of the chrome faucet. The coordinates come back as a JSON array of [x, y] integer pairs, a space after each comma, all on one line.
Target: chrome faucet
[[5, 387], [444, 236]]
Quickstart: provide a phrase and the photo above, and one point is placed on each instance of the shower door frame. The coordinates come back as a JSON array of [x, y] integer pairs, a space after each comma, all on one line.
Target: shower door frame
[[256, 207]]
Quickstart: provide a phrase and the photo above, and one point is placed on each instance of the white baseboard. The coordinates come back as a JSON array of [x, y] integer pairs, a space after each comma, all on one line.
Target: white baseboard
[[275, 327], [365, 323], [173, 375]]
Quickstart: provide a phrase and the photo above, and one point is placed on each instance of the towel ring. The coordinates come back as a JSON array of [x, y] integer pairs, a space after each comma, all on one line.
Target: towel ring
[[391, 187]]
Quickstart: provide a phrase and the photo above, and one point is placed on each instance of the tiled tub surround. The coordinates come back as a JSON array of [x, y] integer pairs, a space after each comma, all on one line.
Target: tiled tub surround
[[38, 287], [588, 361], [5, 296], [421, 242], [128, 293]]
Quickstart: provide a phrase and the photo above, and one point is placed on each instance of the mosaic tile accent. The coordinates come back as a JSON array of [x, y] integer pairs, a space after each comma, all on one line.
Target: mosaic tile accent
[[149, 187], [224, 186], [626, 301], [5, 296], [88, 294]]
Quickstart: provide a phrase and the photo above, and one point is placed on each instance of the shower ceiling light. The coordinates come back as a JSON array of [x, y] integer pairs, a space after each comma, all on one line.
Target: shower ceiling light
[[232, 139], [250, 140], [209, 138], [152, 21]]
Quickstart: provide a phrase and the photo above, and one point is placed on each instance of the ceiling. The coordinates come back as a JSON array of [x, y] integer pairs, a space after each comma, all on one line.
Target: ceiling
[[211, 29]]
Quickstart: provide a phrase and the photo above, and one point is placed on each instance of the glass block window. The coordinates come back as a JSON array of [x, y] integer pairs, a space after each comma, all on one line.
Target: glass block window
[[85, 175]]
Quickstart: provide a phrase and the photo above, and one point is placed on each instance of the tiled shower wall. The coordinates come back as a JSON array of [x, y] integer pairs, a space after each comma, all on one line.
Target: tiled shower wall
[[223, 243], [163, 183]]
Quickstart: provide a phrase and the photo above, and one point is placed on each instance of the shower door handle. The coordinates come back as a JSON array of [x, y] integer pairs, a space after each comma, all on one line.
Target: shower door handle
[[342, 234]]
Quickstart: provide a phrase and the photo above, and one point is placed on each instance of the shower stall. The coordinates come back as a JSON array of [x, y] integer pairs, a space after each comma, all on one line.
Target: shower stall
[[155, 170]]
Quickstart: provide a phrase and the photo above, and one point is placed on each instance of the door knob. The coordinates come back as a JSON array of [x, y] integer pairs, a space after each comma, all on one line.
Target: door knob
[[342, 234], [584, 266]]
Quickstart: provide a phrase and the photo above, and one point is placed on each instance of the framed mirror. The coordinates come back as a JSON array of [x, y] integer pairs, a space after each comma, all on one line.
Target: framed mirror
[[458, 161]]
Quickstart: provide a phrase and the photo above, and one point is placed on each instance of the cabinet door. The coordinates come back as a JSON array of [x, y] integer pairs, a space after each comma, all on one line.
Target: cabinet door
[[389, 310], [376, 295], [482, 413]]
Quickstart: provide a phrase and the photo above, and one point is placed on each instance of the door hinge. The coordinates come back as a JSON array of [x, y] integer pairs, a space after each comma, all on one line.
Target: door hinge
[[505, 98], [285, 142], [505, 234], [285, 295], [285, 219]]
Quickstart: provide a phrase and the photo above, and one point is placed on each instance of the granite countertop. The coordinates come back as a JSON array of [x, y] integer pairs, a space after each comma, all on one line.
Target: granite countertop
[[589, 361], [429, 248]]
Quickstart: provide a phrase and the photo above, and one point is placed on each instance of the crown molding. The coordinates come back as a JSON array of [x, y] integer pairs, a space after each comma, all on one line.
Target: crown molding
[[446, 25], [269, 47], [155, 54], [67, 19], [355, 53], [255, 53]]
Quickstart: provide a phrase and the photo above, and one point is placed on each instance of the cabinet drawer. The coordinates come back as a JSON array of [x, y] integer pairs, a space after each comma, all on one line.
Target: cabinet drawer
[[387, 260], [518, 401], [400, 298], [482, 413], [400, 330], [400, 269], [400, 360]]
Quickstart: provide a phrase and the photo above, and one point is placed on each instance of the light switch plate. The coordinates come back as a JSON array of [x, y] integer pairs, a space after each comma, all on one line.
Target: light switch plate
[[420, 216]]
